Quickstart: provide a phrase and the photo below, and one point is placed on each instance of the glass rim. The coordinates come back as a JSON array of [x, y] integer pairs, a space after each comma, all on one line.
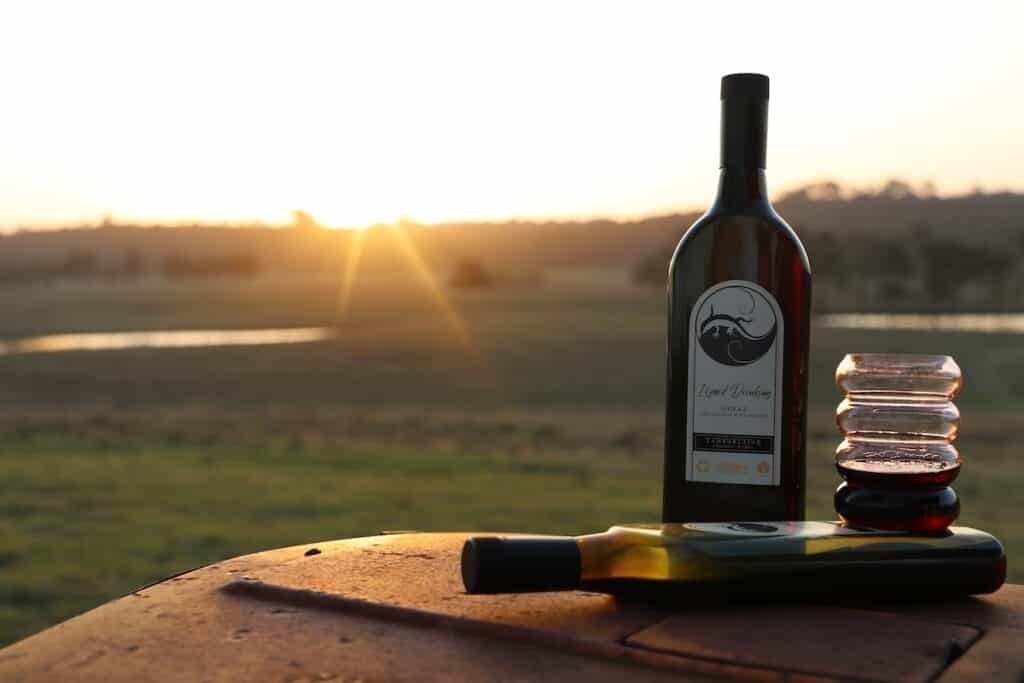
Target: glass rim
[[919, 374], [871, 355]]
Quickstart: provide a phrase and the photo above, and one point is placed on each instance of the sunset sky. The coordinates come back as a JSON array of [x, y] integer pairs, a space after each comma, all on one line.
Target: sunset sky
[[364, 112]]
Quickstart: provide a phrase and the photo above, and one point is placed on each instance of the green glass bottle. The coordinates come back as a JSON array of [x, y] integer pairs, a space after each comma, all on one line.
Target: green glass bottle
[[753, 559]]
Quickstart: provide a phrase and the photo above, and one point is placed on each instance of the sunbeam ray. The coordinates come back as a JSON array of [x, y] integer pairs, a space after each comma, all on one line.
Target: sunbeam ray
[[436, 293], [348, 277]]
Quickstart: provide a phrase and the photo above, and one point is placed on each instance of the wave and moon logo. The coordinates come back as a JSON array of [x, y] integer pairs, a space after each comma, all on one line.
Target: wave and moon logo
[[736, 325]]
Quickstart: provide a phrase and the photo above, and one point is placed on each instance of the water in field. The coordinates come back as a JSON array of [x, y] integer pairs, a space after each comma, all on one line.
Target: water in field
[[163, 339], [112, 341], [1012, 323]]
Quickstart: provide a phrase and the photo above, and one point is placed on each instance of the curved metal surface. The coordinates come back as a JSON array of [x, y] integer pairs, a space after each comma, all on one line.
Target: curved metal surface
[[392, 608]]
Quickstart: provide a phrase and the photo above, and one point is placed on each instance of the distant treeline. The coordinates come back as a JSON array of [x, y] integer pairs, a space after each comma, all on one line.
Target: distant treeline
[[899, 249], [906, 271], [85, 263], [895, 247]]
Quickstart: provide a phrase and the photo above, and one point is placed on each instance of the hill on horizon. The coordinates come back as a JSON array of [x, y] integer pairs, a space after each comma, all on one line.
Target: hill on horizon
[[896, 211]]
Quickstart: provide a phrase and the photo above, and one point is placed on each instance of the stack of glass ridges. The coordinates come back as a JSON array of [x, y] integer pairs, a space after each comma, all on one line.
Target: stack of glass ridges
[[897, 458]]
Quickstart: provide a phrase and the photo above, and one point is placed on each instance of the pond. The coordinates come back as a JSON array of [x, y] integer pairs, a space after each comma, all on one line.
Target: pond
[[169, 339], [163, 339], [1012, 323]]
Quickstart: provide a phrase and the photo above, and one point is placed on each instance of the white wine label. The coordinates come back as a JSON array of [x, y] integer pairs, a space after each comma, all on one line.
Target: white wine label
[[734, 397]]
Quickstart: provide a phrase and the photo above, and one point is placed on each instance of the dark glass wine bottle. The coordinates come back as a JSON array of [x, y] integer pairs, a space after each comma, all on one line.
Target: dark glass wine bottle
[[739, 304]]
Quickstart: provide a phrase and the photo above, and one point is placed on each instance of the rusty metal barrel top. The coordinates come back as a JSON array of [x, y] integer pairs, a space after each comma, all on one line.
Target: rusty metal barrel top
[[392, 607]]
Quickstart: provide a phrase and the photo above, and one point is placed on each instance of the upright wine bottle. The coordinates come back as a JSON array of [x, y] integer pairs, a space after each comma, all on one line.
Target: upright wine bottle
[[739, 300]]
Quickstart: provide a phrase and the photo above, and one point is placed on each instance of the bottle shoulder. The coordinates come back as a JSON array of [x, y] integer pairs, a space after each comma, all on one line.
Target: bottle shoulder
[[722, 224]]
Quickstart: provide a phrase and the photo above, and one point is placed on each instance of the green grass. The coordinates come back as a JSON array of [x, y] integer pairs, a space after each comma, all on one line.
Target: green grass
[[117, 468], [84, 519]]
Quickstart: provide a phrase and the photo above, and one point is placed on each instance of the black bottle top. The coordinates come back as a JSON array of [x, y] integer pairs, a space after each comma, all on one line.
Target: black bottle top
[[510, 565], [744, 121]]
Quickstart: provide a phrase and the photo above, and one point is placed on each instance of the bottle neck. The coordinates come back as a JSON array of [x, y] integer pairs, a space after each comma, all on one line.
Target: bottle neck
[[743, 153], [744, 132], [740, 187]]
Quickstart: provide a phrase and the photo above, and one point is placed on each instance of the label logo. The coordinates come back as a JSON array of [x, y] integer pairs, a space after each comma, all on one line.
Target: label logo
[[736, 325]]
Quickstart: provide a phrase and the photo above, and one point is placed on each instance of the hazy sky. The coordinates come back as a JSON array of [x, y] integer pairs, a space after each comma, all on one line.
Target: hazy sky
[[364, 111]]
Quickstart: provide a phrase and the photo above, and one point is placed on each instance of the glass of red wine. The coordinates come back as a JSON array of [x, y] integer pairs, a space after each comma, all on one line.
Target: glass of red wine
[[899, 424]]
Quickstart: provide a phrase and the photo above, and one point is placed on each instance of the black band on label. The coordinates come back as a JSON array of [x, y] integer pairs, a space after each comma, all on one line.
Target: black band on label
[[733, 443]]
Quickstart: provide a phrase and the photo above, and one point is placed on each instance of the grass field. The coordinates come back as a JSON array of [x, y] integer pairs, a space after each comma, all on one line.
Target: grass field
[[540, 411]]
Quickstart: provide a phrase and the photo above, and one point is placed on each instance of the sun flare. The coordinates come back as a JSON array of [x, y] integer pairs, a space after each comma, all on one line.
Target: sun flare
[[436, 293]]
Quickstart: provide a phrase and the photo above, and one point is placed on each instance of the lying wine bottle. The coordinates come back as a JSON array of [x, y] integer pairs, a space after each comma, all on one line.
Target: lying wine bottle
[[739, 297], [751, 559]]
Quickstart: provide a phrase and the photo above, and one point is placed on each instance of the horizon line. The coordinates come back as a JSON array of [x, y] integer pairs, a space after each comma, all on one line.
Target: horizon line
[[110, 219]]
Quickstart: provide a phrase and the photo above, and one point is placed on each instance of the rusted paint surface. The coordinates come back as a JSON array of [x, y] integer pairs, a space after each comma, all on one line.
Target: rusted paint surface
[[1004, 609], [422, 571], [584, 644], [392, 608], [825, 641], [997, 657]]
